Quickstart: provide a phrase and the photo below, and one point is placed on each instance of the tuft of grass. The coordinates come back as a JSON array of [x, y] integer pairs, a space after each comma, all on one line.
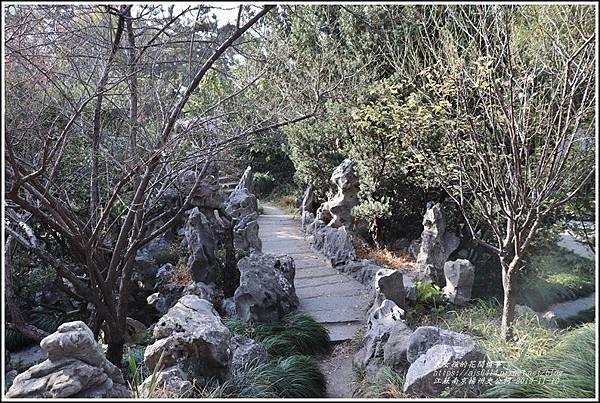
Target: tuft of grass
[[296, 376], [182, 276], [171, 255], [386, 384], [295, 334], [132, 364], [565, 371], [553, 276]]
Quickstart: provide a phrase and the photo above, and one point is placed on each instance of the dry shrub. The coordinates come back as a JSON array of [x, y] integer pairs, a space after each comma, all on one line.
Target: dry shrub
[[288, 201], [182, 276], [383, 257]]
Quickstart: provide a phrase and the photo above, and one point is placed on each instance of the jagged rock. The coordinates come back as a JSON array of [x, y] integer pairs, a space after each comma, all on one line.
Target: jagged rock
[[388, 284], [307, 218], [436, 245], [394, 350], [334, 243], [308, 200], [192, 336], [425, 337], [135, 330], [380, 323], [340, 206], [245, 233], [228, 307], [246, 180], [202, 244], [362, 270], [246, 352], [146, 267], [459, 281], [76, 367], [167, 293], [207, 195], [414, 247], [171, 382], [266, 291], [323, 213], [410, 288], [421, 375], [242, 206]]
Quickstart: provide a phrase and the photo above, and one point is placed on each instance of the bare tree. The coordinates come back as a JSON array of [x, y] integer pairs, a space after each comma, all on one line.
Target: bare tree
[[517, 125]]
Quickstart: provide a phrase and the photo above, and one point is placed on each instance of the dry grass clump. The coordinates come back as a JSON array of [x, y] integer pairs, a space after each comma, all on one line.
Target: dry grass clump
[[383, 257], [182, 276]]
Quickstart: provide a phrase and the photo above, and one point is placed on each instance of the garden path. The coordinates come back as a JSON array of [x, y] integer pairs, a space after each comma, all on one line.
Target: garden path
[[333, 299]]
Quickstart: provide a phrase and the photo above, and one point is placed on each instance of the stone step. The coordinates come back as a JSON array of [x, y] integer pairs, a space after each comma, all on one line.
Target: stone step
[[333, 316], [349, 289], [334, 279], [342, 331]]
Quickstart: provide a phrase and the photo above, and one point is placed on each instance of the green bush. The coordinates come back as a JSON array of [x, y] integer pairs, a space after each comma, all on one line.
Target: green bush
[[134, 369], [429, 295], [296, 376], [295, 334], [571, 360], [263, 184], [171, 255]]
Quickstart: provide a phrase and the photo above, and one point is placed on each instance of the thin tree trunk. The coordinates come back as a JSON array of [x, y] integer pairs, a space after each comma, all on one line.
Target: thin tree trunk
[[508, 309]]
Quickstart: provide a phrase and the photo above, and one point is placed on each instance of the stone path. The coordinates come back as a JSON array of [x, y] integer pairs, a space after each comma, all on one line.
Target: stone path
[[336, 300], [564, 310]]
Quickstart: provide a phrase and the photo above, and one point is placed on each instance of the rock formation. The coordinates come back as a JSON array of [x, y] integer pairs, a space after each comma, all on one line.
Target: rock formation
[[346, 197], [202, 243], [388, 284], [334, 243], [380, 323], [266, 291], [459, 281], [242, 206], [246, 352], [436, 245], [191, 336], [75, 367]]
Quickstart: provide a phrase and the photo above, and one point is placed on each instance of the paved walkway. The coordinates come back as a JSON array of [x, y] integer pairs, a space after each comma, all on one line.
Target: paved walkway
[[334, 299]]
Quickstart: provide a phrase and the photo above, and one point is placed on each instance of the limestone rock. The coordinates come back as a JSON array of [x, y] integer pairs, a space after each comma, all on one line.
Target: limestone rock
[[308, 200], [76, 367], [202, 244], [410, 288], [192, 336], [135, 330], [394, 350], [334, 243], [266, 291], [436, 244], [425, 337], [323, 213], [242, 206], [459, 281], [362, 270], [169, 382], [420, 377], [380, 323], [246, 352], [346, 197], [388, 284]]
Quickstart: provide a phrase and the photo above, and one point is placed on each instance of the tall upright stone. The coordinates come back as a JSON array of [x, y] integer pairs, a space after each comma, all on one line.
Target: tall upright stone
[[460, 275], [243, 208], [341, 204], [202, 245], [436, 245]]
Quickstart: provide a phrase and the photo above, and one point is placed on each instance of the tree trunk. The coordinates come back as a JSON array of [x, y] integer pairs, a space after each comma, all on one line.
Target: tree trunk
[[508, 309], [116, 341]]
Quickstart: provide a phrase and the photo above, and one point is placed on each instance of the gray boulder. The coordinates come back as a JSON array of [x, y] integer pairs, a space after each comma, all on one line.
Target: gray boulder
[[459, 281], [363, 271], [410, 288], [202, 244], [323, 213], [422, 373], [207, 195], [75, 367], [242, 206], [426, 337], [394, 350], [380, 323], [346, 197], [266, 291], [436, 245], [334, 243], [192, 336], [307, 218], [388, 284], [308, 200], [246, 352], [169, 382]]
